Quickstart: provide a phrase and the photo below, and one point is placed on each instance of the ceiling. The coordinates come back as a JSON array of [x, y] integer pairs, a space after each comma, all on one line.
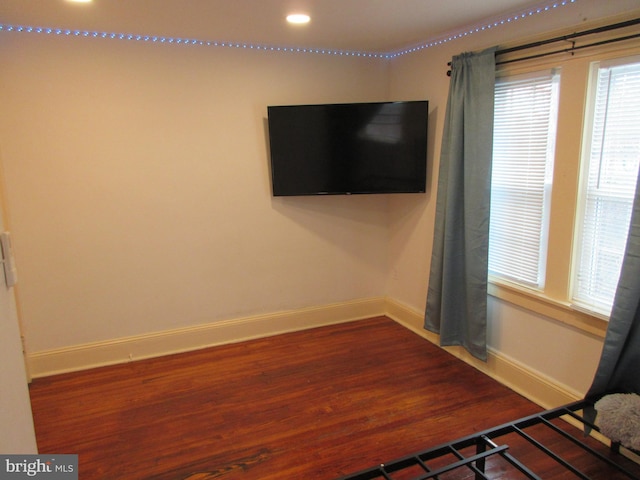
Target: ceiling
[[351, 25]]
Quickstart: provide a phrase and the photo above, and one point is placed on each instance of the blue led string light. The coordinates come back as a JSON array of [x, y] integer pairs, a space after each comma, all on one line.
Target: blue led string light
[[181, 41], [497, 23], [271, 48]]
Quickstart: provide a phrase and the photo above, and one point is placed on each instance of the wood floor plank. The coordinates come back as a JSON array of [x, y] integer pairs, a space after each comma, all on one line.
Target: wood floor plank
[[316, 404]]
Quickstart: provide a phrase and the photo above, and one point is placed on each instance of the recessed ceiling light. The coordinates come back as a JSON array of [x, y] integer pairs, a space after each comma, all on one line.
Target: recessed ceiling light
[[298, 18], [79, 1]]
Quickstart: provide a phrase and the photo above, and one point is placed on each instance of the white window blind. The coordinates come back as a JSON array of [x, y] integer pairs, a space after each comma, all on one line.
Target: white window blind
[[523, 150], [610, 159]]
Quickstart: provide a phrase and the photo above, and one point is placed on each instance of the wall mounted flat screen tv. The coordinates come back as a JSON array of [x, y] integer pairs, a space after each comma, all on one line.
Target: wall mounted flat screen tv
[[356, 148]]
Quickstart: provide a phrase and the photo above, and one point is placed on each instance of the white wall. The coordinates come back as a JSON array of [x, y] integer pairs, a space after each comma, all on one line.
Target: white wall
[[564, 354], [138, 190], [138, 185]]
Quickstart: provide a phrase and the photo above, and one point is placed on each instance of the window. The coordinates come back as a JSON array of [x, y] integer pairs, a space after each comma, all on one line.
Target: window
[[610, 168], [523, 151], [565, 165]]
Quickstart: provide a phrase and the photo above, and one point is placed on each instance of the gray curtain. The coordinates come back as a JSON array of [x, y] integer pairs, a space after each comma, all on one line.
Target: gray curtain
[[619, 368], [457, 296]]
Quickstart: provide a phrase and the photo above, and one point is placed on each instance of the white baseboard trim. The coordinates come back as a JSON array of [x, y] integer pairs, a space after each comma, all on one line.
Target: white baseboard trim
[[522, 379], [123, 350]]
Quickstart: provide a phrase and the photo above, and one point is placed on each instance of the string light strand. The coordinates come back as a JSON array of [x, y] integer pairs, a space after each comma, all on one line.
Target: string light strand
[[272, 48]]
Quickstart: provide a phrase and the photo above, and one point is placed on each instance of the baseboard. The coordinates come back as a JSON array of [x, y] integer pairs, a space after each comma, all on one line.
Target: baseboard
[[123, 350], [520, 378], [527, 382]]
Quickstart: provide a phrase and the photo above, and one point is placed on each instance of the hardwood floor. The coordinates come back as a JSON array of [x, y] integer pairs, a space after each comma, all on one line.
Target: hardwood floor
[[316, 404]]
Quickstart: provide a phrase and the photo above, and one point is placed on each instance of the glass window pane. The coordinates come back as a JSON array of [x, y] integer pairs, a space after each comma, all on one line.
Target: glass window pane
[[610, 163], [523, 150]]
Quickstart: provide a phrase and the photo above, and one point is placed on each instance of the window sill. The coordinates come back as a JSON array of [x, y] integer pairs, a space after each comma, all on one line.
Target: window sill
[[539, 303]]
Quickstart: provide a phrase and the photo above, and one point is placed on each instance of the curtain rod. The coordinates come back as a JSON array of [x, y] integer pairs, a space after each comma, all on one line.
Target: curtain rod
[[568, 37], [571, 49]]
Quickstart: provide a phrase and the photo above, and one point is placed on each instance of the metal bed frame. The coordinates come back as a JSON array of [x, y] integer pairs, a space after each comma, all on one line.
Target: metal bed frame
[[472, 456]]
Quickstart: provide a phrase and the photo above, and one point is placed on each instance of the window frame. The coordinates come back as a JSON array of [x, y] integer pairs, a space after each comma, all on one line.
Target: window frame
[[553, 301], [553, 76], [586, 153]]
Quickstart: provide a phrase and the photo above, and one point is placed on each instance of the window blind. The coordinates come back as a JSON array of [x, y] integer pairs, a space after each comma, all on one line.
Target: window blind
[[611, 157], [523, 149]]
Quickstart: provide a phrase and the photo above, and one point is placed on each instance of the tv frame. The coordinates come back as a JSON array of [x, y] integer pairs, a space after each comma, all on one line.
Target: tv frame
[[413, 182]]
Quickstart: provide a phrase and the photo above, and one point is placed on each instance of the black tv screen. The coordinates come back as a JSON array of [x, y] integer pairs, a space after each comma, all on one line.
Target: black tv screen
[[354, 148]]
